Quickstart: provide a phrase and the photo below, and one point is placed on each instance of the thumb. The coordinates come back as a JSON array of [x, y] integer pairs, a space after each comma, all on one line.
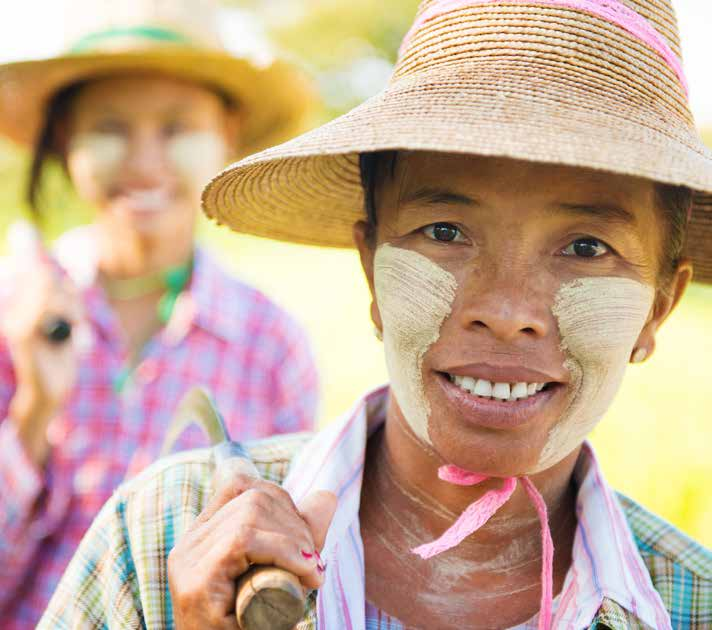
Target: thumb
[[317, 510]]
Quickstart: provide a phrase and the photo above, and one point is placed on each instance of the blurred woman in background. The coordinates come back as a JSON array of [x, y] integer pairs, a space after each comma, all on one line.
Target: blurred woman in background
[[141, 112]]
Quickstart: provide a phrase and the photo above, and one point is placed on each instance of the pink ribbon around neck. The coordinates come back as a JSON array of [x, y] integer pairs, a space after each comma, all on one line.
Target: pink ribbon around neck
[[612, 11], [479, 512]]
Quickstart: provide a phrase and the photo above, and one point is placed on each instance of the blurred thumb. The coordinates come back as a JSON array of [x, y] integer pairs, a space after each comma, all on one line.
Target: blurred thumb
[[317, 510]]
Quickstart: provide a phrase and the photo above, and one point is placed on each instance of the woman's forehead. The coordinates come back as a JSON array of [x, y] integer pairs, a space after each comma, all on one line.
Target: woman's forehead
[[144, 92], [494, 179]]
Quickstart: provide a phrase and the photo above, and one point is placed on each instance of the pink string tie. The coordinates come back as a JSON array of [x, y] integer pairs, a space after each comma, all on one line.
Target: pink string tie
[[479, 512]]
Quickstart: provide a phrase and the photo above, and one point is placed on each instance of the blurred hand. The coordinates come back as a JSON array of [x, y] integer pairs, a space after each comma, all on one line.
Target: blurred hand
[[45, 372], [249, 521]]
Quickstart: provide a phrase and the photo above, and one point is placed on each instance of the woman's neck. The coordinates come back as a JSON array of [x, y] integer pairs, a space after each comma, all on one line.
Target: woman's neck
[[126, 255], [405, 504], [414, 466]]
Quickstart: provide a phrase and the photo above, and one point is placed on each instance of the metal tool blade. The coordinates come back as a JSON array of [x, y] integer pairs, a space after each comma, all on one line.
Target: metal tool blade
[[197, 407]]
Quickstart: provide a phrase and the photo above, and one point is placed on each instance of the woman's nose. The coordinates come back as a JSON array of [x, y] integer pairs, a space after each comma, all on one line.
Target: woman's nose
[[146, 155], [507, 307]]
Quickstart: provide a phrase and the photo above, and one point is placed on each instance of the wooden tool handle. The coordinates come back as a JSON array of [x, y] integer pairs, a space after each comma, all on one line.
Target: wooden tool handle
[[269, 599]]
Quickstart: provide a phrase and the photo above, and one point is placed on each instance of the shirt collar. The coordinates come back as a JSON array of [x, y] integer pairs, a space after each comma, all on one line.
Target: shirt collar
[[208, 303], [607, 566], [607, 578]]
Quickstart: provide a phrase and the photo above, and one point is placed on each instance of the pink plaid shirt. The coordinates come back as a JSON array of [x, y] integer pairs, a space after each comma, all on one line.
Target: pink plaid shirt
[[223, 334]]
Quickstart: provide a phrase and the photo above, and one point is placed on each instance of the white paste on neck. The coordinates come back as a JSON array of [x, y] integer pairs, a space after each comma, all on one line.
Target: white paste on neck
[[414, 296], [600, 320]]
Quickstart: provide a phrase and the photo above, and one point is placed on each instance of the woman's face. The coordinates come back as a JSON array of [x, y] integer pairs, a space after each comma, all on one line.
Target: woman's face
[[511, 296], [141, 148]]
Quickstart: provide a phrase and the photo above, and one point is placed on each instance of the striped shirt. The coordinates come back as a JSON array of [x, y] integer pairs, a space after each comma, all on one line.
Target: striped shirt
[[629, 570], [223, 334]]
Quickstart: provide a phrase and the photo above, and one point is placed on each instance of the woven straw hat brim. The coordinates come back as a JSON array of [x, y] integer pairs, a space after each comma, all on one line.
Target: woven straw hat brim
[[309, 191], [275, 98]]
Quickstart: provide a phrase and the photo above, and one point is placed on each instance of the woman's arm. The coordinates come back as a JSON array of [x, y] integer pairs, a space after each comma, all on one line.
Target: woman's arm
[[100, 588], [36, 377], [163, 554], [34, 499]]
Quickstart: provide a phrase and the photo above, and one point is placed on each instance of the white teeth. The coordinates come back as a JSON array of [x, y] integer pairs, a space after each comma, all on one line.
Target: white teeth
[[468, 383], [148, 198], [483, 388], [499, 391]]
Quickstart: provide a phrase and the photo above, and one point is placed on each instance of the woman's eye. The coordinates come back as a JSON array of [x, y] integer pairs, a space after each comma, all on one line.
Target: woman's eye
[[443, 232], [586, 248], [113, 127], [173, 129]]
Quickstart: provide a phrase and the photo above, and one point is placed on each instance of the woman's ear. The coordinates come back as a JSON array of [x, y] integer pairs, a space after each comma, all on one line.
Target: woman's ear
[[666, 300], [367, 251]]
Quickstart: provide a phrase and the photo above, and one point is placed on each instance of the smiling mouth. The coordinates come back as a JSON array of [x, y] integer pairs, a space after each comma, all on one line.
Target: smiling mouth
[[503, 392], [147, 200]]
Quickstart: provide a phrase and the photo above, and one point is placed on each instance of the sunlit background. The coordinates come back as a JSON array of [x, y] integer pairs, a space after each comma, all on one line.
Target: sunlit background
[[656, 443]]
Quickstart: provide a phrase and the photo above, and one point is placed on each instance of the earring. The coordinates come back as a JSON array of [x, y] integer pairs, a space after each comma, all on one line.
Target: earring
[[378, 333], [639, 355]]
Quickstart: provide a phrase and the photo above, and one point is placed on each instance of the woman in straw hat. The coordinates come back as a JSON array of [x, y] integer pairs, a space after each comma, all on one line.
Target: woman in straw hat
[[142, 110], [527, 197]]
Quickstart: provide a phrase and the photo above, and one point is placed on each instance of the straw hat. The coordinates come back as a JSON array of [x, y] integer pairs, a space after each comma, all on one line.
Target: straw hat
[[589, 83], [177, 37]]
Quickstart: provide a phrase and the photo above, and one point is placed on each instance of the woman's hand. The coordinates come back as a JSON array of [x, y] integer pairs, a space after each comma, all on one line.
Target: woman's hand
[[249, 521], [45, 371]]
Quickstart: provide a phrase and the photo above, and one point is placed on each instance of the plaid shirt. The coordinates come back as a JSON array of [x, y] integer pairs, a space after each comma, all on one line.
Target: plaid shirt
[[223, 334], [630, 569]]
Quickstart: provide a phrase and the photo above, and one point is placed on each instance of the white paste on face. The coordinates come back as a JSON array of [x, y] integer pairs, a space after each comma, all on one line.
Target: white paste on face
[[97, 157], [414, 296], [600, 320], [197, 156]]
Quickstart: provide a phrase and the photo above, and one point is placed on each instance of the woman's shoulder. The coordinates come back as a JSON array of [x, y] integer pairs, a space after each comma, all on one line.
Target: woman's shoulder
[[192, 471], [125, 552], [680, 568]]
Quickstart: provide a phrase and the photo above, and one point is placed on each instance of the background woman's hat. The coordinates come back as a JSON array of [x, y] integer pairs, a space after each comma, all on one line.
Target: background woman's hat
[[176, 37], [589, 83]]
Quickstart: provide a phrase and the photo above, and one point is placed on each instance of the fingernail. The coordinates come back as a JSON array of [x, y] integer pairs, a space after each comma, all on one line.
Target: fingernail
[[307, 555], [321, 567], [318, 555]]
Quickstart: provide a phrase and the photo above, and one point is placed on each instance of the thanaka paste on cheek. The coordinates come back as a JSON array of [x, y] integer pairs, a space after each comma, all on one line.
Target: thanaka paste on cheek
[[97, 157], [600, 320], [414, 296], [197, 156]]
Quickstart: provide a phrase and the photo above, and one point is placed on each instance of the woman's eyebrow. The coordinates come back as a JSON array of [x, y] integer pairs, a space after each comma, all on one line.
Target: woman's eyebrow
[[437, 196], [609, 212]]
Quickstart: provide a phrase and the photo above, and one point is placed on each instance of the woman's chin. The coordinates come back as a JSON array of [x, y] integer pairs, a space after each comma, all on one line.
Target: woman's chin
[[486, 452], [148, 221]]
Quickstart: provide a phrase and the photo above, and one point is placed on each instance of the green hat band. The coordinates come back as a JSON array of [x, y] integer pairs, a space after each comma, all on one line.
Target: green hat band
[[145, 32]]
